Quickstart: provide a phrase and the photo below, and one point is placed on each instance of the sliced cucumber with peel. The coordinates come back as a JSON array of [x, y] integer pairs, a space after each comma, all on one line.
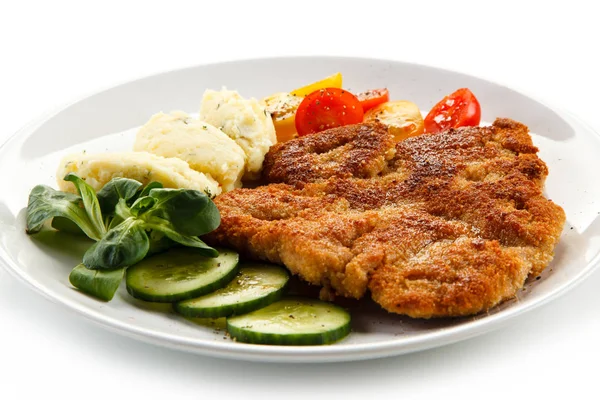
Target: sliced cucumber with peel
[[255, 286], [292, 321], [180, 274]]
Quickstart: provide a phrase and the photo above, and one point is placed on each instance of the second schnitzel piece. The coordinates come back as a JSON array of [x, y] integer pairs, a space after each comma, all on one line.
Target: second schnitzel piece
[[451, 225]]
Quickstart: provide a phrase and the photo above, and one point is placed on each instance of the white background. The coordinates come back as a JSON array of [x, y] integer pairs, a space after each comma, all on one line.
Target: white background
[[56, 51]]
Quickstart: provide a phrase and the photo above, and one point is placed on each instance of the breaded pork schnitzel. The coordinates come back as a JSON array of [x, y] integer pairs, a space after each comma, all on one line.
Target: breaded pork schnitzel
[[445, 224]]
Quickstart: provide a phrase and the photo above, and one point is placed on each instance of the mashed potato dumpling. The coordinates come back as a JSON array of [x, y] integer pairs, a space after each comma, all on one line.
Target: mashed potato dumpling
[[98, 169], [205, 148], [245, 121]]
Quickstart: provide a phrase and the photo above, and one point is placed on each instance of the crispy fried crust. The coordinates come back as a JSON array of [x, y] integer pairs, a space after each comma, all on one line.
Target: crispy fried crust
[[451, 225], [359, 151]]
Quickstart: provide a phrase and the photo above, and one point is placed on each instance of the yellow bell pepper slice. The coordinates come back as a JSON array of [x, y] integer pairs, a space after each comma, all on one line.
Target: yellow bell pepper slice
[[332, 81]]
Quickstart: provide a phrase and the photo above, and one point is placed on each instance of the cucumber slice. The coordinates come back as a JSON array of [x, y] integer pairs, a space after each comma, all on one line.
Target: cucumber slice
[[254, 287], [292, 321], [179, 274]]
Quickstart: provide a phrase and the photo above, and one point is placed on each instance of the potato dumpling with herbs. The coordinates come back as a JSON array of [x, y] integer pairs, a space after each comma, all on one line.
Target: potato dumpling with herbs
[[403, 118], [244, 120], [98, 169], [205, 148]]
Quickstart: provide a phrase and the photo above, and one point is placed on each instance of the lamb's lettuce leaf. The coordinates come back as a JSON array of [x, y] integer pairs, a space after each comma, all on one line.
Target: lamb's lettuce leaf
[[45, 203], [127, 221], [97, 283], [152, 185], [124, 245], [163, 226], [113, 191], [190, 212], [90, 201]]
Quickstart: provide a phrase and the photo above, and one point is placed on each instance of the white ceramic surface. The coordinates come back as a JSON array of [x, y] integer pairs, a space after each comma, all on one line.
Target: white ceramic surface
[[106, 121]]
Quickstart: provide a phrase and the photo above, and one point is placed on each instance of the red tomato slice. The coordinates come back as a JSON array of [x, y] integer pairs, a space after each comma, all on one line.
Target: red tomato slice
[[460, 108], [327, 108], [373, 98]]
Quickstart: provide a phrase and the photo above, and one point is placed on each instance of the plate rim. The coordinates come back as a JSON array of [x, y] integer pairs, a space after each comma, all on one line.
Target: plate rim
[[338, 352]]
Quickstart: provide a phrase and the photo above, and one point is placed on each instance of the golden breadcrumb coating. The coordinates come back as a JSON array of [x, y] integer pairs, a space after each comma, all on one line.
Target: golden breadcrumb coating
[[438, 225]]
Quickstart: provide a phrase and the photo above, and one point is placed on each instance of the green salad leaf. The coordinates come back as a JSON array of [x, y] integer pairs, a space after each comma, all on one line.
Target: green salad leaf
[[66, 225], [190, 212], [161, 225], [90, 201], [45, 203], [152, 185], [142, 205], [113, 191], [122, 246], [159, 242], [127, 221], [100, 284]]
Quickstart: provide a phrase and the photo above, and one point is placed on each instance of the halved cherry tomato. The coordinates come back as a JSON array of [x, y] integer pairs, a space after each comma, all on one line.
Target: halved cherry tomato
[[326, 109], [373, 98], [283, 106], [460, 108]]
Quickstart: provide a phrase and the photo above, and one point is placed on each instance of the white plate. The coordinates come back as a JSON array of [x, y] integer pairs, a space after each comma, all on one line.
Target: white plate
[[30, 157]]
